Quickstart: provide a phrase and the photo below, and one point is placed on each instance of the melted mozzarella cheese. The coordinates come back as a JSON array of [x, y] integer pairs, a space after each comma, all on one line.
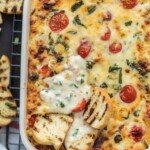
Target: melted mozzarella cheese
[[67, 89]]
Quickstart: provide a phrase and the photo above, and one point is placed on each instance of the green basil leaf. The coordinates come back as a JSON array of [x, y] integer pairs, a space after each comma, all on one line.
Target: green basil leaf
[[91, 9], [76, 5]]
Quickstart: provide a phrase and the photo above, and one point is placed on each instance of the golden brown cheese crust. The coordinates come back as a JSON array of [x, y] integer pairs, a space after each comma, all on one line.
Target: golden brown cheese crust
[[131, 27]]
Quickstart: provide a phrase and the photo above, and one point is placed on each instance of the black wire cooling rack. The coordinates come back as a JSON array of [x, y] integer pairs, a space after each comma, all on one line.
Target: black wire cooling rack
[[13, 140]]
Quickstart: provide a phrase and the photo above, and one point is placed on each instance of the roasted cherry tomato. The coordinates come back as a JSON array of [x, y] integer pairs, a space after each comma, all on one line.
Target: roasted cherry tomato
[[84, 49], [128, 94], [107, 35], [58, 22], [32, 121], [80, 106], [45, 69], [129, 4], [107, 16], [115, 47], [137, 133]]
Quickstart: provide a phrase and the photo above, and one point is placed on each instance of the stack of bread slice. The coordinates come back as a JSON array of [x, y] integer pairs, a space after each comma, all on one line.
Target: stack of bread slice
[[10, 7], [56, 129], [7, 103]]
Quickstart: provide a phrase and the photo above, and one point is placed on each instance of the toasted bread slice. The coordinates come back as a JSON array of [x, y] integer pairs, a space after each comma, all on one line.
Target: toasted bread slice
[[85, 143], [98, 110], [51, 129], [8, 108], [4, 71], [4, 121], [11, 6], [5, 93], [81, 136]]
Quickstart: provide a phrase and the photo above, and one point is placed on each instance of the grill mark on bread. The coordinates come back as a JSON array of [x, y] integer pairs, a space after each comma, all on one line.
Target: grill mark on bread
[[93, 119], [86, 106], [98, 109], [104, 112]]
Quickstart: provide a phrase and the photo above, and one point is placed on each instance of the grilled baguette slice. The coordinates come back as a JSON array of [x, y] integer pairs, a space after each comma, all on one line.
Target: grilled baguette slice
[[51, 129], [4, 121], [5, 93], [85, 143], [11, 6], [8, 108], [98, 110], [4, 71], [81, 136]]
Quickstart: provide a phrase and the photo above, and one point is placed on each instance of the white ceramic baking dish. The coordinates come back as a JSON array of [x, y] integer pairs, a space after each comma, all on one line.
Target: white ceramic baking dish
[[24, 74]]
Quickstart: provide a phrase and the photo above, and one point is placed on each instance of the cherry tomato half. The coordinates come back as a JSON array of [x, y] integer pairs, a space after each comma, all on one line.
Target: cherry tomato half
[[84, 49], [128, 94], [45, 69], [137, 133], [80, 106], [32, 121], [115, 47], [58, 22], [107, 35], [129, 4]]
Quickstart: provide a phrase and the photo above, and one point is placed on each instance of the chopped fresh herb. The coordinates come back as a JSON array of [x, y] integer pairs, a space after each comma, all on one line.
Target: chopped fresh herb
[[72, 32], [51, 44], [103, 85], [8, 104], [77, 21], [129, 23], [75, 132], [60, 83], [66, 46], [146, 145], [60, 59], [116, 68], [137, 34], [74, 85], [89, 64], [51, 41], [118, 138], [62, 105], [117, 87], [113, 68], [76, 5], [91, 9], [54, 10], [127, 117], [136, 113], [120, 76], [110, 95], [87, 93], [82, 81], [60, 40]]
